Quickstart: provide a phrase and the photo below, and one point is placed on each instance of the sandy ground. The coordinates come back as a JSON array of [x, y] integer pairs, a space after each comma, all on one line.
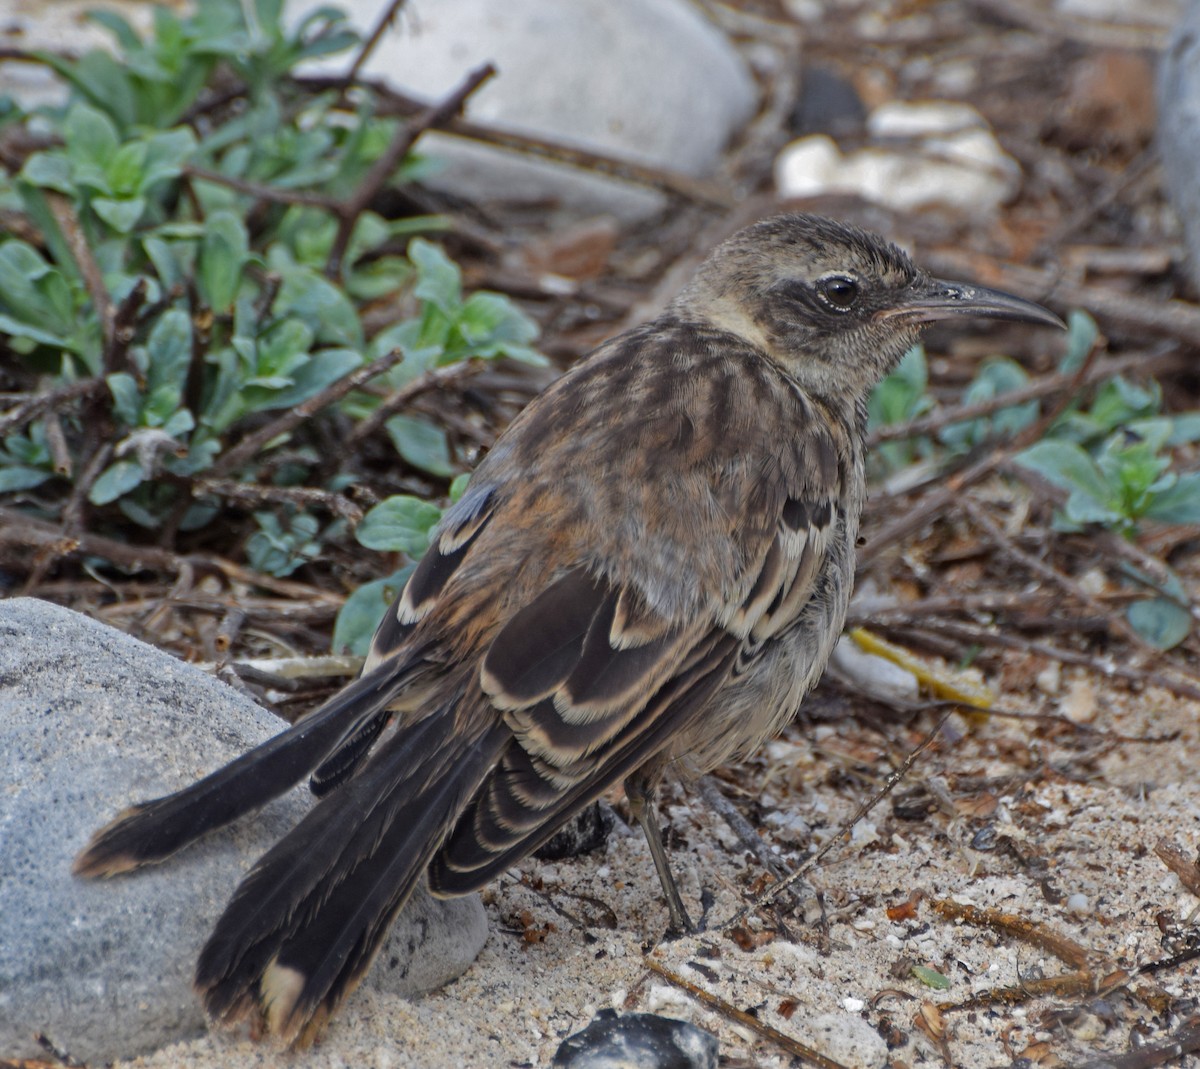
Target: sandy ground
[[1049, 826]]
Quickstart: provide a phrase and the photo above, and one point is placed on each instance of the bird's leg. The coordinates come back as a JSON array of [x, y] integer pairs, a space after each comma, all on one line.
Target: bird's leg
[[640, 792]]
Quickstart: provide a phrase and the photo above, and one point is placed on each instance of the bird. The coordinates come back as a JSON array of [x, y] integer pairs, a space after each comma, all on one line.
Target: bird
[[646, 575]]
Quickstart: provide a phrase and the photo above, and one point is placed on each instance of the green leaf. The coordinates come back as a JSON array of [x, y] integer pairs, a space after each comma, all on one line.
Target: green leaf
[[997, 377], [931, 978], [279, 549], [399, 524], [223, 255], [901, 396], [439, 280], [322, 306], [33, 291], [117, 480], [50, 170], [458, 487], [91, 140], [1082, 333], [1179, 503], [1160, 621], [124, 169], [421, 444], [16, 329], [1185, 429], [166, 154], [1066, 465], [18, 477], [363, 610], [169, 352], [127, 398], [317, 372], [121, 215]]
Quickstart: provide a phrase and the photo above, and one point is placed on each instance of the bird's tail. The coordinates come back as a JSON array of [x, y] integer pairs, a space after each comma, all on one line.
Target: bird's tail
[[306, 922], [153, 831]]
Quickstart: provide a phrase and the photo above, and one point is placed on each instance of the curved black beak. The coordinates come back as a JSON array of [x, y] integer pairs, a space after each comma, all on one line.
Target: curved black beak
[[934, 298]]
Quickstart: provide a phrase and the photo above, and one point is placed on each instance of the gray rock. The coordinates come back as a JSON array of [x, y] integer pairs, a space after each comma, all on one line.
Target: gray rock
[[637, 1041], [90, 721], [651, 81], [1179, 128]]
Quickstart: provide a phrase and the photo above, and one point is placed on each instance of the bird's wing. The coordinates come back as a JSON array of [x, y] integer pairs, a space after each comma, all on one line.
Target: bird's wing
[[593, 682]]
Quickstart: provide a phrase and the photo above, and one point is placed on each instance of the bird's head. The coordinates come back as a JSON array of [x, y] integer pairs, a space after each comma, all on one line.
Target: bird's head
[[835, 305]]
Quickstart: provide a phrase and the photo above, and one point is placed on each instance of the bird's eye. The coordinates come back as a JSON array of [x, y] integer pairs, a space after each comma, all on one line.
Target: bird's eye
[[839, 291]]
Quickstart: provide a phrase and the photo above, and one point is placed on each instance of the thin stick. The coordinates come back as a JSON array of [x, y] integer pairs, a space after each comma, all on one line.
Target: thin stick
[[1044, 387], [741, 1017], [377, 31], [847, 826], [381, 170], [252, 444]]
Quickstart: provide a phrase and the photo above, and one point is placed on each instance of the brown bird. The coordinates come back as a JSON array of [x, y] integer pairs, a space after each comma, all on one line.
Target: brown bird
[[648, 571]]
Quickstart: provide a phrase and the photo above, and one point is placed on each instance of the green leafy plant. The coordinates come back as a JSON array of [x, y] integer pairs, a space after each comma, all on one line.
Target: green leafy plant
[[186, 250], [1124, 481], [900, 398]]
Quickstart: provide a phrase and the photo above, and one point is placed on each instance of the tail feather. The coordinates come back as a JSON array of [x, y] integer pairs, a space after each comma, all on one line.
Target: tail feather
[[289, 884], [153, 831], [300, 933]]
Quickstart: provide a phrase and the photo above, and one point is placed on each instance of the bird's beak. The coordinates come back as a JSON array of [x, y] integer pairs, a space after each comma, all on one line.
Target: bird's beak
[[933, 299]]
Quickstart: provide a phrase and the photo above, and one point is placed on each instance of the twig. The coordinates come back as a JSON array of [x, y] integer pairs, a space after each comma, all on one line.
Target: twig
[[124, 328], [260, 191], [394, 402], [691, 189], [1104, 665], [933, 504], [1036, 935], [741, 1017], [1116, 622], [51, 401], [381, 170], [76, 507], [847, 826], [227, 630], [1044, 387], [1181, 864], [257, 494], [93, 279], [377, 31], [252, 444], [20, 530], [740, 826], [56, 442], [279, 669], [1185, 1041]]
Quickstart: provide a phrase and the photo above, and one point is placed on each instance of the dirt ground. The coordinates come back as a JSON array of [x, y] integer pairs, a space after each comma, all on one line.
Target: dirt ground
[[1019, 865]]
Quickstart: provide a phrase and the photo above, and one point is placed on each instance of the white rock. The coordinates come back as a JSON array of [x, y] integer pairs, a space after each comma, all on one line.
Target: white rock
[[653, 82], [939, 154], [875, 674], [1078, 904]]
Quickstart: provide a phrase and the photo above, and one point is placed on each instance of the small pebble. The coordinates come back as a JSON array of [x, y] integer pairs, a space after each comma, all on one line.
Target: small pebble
[[1080, 705], [1078, 904]]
